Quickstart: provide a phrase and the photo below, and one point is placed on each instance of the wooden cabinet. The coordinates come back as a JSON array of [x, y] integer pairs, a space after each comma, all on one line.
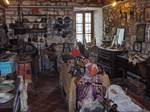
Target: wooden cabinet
[[107, 59], [122, 62], [139, 72]]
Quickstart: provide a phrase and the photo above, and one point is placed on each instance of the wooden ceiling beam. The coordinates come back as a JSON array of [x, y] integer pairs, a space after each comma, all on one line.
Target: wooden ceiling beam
[[107, 2]]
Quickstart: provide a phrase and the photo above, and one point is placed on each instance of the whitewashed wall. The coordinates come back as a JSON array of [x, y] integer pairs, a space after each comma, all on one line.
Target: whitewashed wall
[[98, 26]]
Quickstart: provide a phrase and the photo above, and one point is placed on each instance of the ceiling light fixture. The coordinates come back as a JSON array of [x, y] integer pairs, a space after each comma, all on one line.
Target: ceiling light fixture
[[114, 4], [7, 2]]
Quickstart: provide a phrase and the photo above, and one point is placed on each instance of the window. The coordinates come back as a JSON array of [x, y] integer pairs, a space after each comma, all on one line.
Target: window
[[84, 28]]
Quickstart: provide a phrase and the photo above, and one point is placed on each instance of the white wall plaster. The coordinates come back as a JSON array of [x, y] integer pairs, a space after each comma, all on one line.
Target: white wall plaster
[[98, 26]]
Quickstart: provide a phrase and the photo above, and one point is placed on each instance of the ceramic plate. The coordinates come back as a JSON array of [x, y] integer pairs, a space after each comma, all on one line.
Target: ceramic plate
[[7, 81], [5, 97], [4, 88]]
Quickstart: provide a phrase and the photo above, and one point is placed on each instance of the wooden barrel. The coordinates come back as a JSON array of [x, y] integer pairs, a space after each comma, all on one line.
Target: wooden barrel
[[23, 68]]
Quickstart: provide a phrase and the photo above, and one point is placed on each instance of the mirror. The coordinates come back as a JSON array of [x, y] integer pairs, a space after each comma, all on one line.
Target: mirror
[[118, 38], [120, 35]]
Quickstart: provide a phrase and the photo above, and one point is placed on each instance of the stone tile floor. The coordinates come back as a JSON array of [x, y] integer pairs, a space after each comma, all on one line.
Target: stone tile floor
[[46, 97]]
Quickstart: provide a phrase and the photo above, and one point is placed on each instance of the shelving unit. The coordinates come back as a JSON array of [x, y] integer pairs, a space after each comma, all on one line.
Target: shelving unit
[[37, 25], [2, 15]]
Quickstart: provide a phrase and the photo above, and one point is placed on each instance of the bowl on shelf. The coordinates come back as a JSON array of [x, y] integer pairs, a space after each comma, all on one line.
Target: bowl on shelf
[[4, 88], [38, 19], [42, 26], [25, 20], [30, 26], [32, 19]]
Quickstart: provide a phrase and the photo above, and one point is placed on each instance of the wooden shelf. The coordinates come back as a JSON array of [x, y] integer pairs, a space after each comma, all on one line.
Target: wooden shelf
[[34, 15], [29, 22], [36, 30], [43, 20]]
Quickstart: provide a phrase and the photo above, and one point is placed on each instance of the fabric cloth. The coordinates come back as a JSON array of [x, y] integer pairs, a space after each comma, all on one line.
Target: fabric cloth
[[91, 69], [23, 95], [105, 80], [89, 92], [65, 79], [75, 52], [16, 104], [7, 68], [72, 96], [124, 102]]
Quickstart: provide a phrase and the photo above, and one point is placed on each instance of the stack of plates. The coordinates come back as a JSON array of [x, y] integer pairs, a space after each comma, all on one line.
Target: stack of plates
[[8, 82], [6, 97], [5, 88]]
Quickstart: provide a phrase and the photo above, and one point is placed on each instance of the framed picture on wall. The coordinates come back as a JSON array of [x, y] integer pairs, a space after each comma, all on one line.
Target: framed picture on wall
[[140, 32], [145, 48], [137, 46], [147, 14]]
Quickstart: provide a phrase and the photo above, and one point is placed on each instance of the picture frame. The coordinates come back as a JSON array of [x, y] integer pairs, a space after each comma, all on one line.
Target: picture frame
[[145, 48], [147, 14], [137, 46], [140, 32]]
